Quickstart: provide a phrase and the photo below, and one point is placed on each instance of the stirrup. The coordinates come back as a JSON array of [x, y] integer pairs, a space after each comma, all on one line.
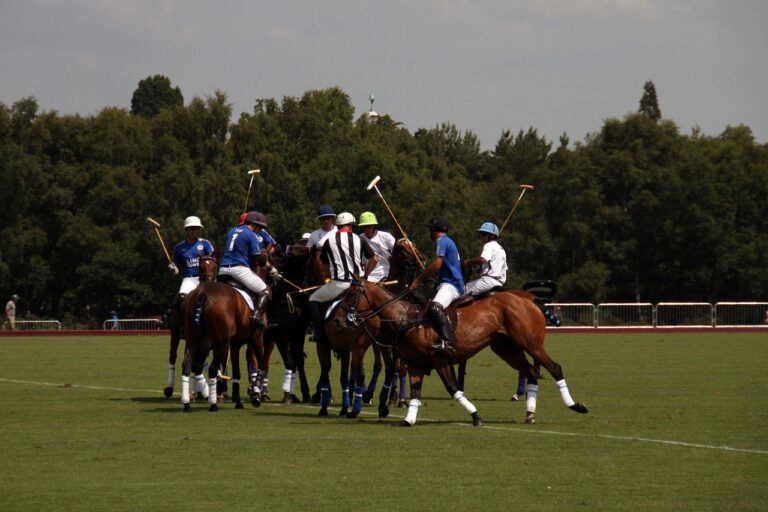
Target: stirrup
[[444, 346]]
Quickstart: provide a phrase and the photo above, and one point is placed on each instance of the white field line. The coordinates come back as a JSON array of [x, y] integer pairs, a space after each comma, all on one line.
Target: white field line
[[528, 430]]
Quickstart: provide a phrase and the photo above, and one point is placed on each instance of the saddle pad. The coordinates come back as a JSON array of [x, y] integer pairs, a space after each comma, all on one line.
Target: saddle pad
[[331, 309], [246, 296]]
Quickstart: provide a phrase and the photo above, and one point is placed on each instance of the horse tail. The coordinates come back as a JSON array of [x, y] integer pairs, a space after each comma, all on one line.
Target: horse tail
[[198, 318]]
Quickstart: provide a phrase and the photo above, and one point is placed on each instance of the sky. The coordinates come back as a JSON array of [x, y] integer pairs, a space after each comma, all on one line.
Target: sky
[[559, 66]]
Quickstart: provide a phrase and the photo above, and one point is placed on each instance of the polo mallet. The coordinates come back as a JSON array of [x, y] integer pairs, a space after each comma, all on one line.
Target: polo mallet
[[252, 172], [524, 188], [371, 185], [156, 225]]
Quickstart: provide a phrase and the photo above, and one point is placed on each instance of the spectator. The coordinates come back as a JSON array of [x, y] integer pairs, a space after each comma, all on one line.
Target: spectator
[[115, 320], [10, 311]]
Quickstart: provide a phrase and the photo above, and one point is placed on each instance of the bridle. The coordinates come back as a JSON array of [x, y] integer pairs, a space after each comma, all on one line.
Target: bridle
[[351, 302]]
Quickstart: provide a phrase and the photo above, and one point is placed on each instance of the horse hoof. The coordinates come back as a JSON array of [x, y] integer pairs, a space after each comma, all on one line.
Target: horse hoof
[[401, 423], [579, 407], [168, 392], [515, 398], [530, 419], [352, 415], [187, 408], [383, 412], [344, 411], [477, 422], [295, 399], [323, 412], [286, 400], [238, 405], [402, 403], [367, 397], [213, 408], [265, 398], [255, 401]]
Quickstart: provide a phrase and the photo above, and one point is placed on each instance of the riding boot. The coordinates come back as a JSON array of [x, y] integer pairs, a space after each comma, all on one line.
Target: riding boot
[[442, 325], [318, 319], [260, 308]]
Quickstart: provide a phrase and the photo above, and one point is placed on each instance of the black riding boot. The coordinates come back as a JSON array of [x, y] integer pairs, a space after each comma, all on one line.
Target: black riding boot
[[439, 319], [260, 308], [318, 319]]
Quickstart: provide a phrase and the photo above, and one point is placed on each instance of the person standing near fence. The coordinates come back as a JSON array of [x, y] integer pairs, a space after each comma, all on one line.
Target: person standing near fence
[[10, 311]]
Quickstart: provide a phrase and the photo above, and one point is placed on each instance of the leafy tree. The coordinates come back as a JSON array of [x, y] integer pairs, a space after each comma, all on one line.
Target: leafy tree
[[649, 103], [153, 94]]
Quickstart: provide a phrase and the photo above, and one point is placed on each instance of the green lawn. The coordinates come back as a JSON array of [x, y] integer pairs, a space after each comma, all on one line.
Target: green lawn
[[677, 422]]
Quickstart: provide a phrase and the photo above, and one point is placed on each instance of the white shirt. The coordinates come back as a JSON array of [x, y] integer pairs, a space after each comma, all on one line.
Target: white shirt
[[382, 244], [496, 261], [10, 309], [316, 238]]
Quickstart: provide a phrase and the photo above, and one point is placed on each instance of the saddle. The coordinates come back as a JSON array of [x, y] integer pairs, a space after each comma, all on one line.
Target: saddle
[[464, 301], [231, 281]]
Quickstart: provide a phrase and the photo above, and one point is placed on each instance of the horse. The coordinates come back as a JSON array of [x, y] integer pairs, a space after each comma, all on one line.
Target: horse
[[175, 323], [510, 323], [352, 341], [217, 318], [288, 332]]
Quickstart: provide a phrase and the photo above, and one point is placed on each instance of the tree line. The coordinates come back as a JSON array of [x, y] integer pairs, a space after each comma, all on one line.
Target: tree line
[[635, 211]]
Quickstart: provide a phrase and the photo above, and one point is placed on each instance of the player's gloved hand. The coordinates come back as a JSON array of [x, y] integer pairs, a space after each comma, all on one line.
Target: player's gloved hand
[[275, 274], [173, 269]]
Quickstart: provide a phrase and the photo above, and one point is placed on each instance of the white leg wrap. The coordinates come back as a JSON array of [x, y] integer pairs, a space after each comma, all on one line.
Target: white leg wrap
[[253, 380], [287, 374], [212, 391], [532, 391], [413, 411], [200, 386], [294, 377], [171, 375], [459, 397], [563, 387], [185, 389]]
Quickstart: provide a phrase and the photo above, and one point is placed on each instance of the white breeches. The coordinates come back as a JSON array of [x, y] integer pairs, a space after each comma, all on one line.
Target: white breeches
[[246, 277], [329, 291], [481, 285], [446, 293], [188, 284]]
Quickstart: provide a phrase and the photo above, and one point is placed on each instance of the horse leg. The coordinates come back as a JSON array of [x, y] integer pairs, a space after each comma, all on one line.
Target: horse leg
[[217, 364], [540, 355], [462, 374], [389, 378], [185, 371], [285, 353], [324, 356], [234, 354], [344, 383], [515, 357], [377, 365], [358, 378], [447, 375], [416, 379], [174, 347]]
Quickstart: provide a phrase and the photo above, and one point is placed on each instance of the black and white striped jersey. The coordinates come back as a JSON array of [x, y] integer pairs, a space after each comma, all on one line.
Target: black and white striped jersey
[[343, 251]]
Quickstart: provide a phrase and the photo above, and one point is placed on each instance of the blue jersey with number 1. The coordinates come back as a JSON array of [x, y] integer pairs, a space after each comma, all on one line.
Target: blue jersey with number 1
[[241, 244]]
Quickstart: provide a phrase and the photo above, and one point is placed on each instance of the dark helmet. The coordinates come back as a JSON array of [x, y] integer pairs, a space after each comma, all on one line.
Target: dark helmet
[[257, 218], [438, 224], [325, 211]]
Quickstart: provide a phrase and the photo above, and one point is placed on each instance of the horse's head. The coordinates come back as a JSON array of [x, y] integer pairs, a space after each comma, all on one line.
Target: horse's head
[[207, 269], [352, 307], [405, 262]]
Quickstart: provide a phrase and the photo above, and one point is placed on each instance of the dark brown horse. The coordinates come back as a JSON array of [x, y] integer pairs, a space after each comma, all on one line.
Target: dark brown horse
[[176, 322], [218, 319], [352, 341], [511, 324]]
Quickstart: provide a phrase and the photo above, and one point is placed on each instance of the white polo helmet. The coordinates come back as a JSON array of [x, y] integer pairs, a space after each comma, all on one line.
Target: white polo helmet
[[345, 218], [192, 222]]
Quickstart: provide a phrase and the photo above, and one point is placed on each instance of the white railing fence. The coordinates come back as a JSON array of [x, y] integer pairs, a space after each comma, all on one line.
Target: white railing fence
[[133, 324], [663, 314], [34, 325]]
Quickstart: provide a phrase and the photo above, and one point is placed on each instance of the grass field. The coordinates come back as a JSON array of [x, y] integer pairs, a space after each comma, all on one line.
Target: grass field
[[677, 422]]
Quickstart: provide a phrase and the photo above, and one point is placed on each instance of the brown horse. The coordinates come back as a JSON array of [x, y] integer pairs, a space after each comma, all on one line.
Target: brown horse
[[352, 341], [510, 323], [176, 322], [218, 319]]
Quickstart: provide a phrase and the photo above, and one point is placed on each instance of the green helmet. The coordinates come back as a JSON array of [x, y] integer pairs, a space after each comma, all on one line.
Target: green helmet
[[368, 219]]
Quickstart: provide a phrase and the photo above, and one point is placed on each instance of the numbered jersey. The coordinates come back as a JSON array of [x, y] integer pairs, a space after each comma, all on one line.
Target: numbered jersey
[[241, 244]]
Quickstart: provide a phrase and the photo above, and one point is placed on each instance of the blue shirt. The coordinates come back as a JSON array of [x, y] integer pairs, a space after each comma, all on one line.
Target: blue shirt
[[186, 256], [241, 244], [264, 239], [450, 271]]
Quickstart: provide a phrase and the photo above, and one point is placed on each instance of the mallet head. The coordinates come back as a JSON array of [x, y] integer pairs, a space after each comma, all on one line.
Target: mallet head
[[153, 221], [254, 171], [373, 183], [527, 187]]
